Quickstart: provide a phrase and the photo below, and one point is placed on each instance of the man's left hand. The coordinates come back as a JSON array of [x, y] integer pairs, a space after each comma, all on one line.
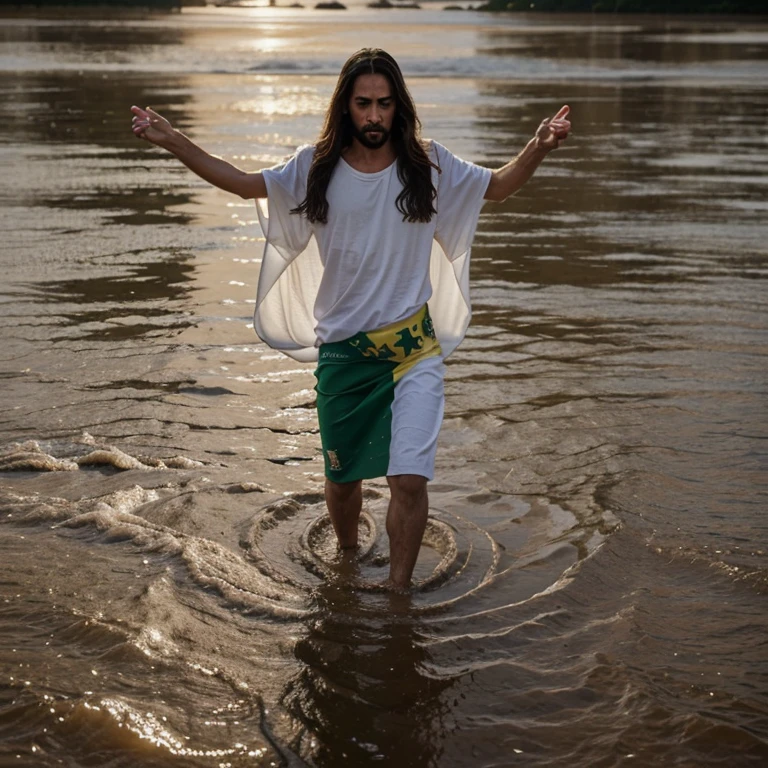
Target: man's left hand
[[554, 130]]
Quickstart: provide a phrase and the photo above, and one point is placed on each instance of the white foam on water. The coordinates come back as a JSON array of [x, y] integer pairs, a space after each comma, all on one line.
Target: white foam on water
[[66, 456]]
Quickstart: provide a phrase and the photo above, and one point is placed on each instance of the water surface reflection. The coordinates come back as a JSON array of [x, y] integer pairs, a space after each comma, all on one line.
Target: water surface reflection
[[601, 473], [367, 693]]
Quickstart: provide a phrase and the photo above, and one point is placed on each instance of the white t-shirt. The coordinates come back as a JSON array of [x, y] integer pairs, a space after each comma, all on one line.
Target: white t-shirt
[[365, 268]]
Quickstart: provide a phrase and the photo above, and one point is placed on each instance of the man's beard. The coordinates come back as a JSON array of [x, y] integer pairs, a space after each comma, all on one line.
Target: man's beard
[[365, 138]]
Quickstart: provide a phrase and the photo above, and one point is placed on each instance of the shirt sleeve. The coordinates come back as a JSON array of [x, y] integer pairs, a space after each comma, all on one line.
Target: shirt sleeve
[[286, 189], [291, 269], [461, 188]]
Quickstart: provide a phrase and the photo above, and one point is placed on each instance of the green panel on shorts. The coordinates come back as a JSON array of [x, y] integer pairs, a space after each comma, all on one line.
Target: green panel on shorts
[[354, 406]]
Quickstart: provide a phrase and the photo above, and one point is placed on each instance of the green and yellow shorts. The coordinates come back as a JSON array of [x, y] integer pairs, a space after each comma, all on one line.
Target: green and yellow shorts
[[380, 401]]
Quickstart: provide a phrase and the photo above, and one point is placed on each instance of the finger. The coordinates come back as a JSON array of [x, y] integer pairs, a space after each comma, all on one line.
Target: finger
[[562, 112], [138, 111]]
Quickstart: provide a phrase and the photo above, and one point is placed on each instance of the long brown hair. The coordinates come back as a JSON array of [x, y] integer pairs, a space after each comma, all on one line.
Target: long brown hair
[[414, 168]]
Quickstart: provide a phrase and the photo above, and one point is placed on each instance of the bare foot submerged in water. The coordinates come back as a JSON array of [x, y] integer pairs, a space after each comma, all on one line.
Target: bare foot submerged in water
[[347, 573], [396, 589], [406, 522]]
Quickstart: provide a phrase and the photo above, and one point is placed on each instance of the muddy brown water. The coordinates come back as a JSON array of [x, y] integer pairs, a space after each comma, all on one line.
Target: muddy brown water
[[592, 588]]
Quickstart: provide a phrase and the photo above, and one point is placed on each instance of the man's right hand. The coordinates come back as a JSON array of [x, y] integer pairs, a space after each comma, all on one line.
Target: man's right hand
[[148, 125]]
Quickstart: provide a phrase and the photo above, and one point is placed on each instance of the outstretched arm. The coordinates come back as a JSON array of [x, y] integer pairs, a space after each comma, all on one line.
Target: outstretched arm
[[154, 128], [550, 134]]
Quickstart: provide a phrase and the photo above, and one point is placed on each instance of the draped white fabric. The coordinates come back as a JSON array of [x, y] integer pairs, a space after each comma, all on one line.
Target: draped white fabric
[[292, 268]]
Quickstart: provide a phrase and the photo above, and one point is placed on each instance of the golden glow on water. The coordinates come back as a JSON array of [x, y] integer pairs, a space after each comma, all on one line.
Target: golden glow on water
[[148, 727], [262, 43], [289, 101]]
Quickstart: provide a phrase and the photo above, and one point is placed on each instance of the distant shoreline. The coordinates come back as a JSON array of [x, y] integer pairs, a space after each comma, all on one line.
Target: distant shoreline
[[639, 7], [747, 9]]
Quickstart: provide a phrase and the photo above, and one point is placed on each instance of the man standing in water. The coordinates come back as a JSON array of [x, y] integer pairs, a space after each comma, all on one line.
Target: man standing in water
[[363, 228]]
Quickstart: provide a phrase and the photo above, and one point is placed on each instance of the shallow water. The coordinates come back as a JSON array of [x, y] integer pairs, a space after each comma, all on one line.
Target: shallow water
[[591, 591]]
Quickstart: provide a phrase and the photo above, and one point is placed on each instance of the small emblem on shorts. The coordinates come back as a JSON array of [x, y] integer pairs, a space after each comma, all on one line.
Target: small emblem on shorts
[[333, 460], [428, 327]]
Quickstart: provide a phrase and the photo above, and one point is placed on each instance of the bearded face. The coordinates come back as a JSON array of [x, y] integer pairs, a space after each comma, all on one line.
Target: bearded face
[[372, 110]]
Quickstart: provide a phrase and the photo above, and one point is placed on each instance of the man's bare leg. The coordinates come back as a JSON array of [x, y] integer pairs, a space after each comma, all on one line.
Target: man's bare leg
[[406, 522], [344, 501]]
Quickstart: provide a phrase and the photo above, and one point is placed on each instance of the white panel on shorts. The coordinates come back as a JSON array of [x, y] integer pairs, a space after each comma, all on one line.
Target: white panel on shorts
[[417, 414]]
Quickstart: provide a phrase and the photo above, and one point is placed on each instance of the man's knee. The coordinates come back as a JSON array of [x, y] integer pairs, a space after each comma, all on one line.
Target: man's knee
[[342, 491], [407, 486]]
